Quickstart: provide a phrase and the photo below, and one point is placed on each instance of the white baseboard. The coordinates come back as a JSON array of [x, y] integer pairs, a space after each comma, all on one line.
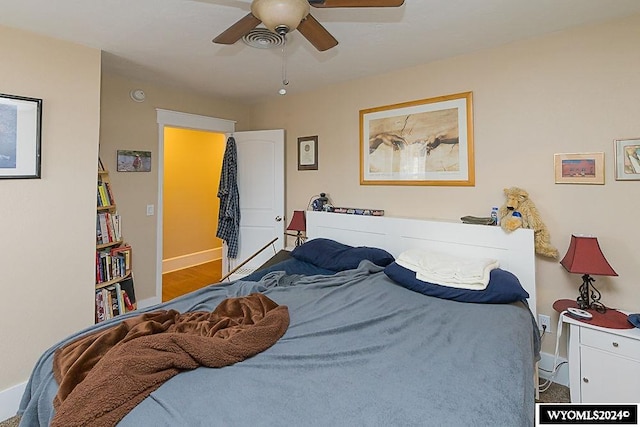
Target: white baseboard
[[10, 401], [148, 302], [190, 260], [546, 362]]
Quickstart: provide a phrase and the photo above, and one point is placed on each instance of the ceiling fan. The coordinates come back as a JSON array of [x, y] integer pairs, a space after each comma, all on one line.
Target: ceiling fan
[[284, 16]]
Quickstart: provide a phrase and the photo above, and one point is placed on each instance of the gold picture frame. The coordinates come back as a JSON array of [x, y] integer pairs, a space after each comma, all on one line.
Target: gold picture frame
[[579, 168], [424, 142], [627, 159]]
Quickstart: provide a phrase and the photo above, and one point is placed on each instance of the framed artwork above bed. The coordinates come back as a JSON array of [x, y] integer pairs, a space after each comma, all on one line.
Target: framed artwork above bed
[[424, 142]]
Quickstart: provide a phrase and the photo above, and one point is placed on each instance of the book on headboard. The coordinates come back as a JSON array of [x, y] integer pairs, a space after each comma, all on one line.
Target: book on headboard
[[357, 211]]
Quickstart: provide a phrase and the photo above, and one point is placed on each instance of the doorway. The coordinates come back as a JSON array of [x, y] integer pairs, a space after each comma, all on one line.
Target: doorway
[[177, 120], [260, 182], [192, 165], [192, 253]]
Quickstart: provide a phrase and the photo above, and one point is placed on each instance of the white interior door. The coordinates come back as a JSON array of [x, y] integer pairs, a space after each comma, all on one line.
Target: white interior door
[[261, 188]]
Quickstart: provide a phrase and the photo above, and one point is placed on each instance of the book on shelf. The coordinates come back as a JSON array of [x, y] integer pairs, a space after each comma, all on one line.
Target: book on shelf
[[112, 263], [108, 228], [121, 306], [114, 300], [100, 307], [127, 286], [124, 251], [117, 227], [104, 196], [104, 232], [127, 301], [114, 304], [110, 303], [107, 187], [109, 224], [98, 231], [100, 165]]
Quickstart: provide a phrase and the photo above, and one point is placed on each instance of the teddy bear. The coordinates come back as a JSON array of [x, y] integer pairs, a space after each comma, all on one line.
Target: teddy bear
[[519, 211]]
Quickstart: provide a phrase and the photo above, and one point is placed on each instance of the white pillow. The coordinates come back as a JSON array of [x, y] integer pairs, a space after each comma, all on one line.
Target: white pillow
[[448, 270]]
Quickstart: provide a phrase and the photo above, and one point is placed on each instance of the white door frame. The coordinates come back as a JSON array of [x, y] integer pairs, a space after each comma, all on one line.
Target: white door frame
[[179, 120]]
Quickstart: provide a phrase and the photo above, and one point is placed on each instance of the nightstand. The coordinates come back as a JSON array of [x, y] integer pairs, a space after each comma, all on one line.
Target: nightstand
[[604, 362]]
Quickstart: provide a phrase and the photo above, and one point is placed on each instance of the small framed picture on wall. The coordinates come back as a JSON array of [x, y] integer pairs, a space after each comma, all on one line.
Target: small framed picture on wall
[[134, 161], [579, 168], [627, 159], [308, 153]]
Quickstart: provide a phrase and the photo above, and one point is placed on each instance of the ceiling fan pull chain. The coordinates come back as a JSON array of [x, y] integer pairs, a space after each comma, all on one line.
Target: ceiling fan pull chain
[[284, 61], [285, 82]]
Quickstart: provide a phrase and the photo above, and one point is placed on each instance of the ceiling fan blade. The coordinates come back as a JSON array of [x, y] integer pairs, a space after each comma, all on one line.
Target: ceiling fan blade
[[356, 3], [317, 35], [237, 30]]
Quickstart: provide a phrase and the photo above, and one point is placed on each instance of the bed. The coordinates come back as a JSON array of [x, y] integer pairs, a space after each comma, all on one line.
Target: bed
[[360, 349]]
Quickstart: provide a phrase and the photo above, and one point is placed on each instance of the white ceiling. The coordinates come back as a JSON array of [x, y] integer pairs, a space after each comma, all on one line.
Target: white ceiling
[[169, 41]]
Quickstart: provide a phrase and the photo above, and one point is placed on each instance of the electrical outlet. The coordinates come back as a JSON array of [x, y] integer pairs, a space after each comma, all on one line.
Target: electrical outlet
[[544, 321]]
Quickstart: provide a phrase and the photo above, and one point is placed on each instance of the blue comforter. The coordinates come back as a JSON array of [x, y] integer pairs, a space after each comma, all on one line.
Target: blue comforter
[[360, 351]]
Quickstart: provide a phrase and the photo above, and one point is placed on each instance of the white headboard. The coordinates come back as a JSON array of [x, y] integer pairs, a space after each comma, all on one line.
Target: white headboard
[[515, 250]]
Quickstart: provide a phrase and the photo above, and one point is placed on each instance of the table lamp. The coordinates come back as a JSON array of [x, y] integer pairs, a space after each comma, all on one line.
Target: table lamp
[[585, 257], [299, 224]]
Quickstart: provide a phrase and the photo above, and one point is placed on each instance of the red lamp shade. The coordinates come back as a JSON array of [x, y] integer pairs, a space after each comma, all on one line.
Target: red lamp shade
[[298, 222], [585, 257]]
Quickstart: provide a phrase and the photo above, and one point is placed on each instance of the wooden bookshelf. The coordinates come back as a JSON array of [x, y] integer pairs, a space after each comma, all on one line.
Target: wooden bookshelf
[[115, 293]]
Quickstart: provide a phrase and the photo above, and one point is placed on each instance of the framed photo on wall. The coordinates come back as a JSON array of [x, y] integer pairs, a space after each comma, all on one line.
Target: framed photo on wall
[[20, 135], [308, 153], [133, 161], [425, 142], [627, 159], [579, 168]]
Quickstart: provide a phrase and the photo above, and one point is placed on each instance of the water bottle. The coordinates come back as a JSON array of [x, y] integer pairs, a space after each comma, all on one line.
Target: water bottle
[[494, 215]]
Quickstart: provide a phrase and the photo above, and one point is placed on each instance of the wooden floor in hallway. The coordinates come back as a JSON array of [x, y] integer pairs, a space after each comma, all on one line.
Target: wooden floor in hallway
[[180, 282]]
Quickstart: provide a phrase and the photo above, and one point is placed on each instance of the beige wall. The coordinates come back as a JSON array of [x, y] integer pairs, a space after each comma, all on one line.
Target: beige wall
[[192, 165], [125, 124], [573, 91], [47, 225]]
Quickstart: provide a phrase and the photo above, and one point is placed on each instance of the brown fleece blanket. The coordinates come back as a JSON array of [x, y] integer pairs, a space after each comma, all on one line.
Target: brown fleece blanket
[[104, 375]]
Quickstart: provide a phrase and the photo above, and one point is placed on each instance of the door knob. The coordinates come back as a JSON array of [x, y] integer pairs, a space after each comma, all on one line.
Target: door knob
[[586, 380], [278, 218]]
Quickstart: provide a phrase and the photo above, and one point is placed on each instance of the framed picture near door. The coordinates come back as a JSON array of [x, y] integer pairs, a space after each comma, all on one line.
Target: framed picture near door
[[308, 153]]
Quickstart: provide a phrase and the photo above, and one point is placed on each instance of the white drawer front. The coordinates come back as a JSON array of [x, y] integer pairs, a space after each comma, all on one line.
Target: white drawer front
[[616, 344]]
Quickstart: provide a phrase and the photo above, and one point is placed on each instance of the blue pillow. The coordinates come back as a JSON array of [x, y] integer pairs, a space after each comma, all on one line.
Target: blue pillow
[[329, 254], [503, 287]]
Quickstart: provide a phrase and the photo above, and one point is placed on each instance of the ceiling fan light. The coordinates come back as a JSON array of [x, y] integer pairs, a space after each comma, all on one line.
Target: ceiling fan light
[[280, 16]]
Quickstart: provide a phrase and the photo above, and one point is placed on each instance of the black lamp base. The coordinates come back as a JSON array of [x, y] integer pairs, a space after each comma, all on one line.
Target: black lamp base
[[589, 296], [299, 238]]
